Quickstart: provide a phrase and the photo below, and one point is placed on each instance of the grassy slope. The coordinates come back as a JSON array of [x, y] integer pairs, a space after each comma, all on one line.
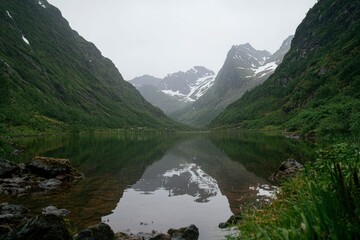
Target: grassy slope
[[60, 81], [316, 88], [322, 203]]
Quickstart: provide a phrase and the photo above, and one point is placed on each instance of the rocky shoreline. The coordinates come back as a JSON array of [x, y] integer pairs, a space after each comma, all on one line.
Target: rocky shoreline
[[51, 225], [41, 175], [44, 175]]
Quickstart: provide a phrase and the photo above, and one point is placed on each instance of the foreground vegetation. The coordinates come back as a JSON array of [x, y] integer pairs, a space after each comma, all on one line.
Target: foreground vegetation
[[323, 202]]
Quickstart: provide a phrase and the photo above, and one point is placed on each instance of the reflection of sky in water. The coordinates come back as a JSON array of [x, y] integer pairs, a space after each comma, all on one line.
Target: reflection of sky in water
[[184, 195]]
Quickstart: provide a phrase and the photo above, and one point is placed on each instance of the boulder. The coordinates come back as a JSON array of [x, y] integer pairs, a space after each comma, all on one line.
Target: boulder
[[49, 167], [45, 227], [54, 210], [100, 231], [287, 169], [7, 168], [188, 233]]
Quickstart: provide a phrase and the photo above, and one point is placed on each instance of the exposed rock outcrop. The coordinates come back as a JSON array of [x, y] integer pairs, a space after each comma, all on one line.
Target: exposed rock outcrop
[[288, 168]]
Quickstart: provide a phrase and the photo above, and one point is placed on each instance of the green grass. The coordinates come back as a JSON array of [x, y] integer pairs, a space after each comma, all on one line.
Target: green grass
[[322, 203]]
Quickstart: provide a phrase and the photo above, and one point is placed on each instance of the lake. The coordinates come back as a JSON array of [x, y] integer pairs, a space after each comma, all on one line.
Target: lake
[[138, 182]]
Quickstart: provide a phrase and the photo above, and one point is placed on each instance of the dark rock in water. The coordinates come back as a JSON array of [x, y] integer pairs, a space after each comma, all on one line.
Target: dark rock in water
[[45, 227], [188, 233], [101, 231], [54, 210], [287, 169], [50, 184], [49, 167], [234, 219], [7, 168]]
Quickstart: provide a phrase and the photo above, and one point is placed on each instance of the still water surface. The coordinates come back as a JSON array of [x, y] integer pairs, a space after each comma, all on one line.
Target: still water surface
[[139, 183]]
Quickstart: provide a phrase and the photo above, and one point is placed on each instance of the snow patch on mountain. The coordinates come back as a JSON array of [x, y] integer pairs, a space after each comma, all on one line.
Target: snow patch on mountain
[[271, 66], [41, 4], [25, 40], [9, 14], [173, 93], [197, 89]]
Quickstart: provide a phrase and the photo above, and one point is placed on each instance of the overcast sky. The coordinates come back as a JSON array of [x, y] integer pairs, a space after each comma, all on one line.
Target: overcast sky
[[158, 37]]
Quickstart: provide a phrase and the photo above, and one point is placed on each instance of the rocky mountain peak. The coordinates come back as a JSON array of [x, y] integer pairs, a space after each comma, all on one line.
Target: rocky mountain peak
[[284, 48], [176, 90], [185, 83], [246, 56]]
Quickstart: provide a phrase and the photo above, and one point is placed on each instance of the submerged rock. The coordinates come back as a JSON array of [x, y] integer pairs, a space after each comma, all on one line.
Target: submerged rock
[[45, 227], [101, 231], [287, 169]]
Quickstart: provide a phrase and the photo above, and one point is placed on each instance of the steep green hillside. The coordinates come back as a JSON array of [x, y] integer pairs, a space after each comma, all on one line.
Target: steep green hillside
[[316, 89], [52, 79]]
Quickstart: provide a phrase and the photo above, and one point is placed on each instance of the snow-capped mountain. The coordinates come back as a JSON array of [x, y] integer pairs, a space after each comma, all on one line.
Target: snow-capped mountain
[[244, 68], [188, 86], [176, 90]]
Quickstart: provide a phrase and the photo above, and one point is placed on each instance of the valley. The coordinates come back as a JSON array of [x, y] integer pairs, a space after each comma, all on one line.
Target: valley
[[245, 144]]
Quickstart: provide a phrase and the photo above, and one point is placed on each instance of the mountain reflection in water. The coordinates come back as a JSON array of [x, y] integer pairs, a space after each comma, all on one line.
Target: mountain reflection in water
[[191, 180], [192, 183], [173, 192], [144, 182]]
